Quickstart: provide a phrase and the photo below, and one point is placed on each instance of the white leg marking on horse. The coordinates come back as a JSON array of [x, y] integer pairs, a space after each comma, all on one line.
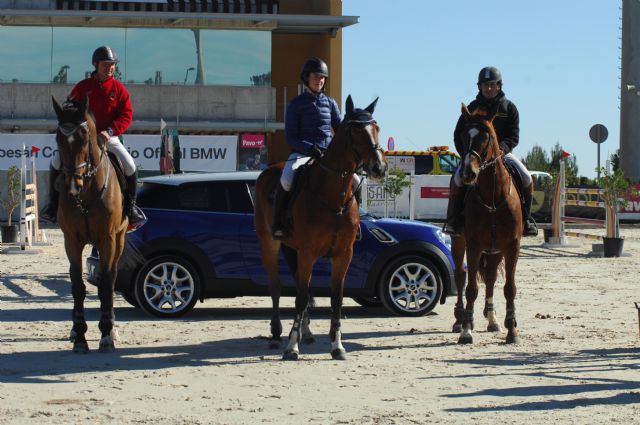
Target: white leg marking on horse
[[337, 344], [466, 333], [107, 340], [292, 347], [493, 321]]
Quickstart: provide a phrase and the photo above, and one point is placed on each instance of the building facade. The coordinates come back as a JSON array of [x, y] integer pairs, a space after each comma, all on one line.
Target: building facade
[[210, 69]]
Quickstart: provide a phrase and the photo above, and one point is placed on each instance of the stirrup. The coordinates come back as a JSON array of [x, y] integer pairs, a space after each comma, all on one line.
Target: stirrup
[[277, 234], [530, 229], [47, 216], [137, 219], [451, 229]]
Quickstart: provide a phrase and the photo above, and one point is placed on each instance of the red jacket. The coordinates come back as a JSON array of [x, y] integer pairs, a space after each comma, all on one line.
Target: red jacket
[[109, 102]]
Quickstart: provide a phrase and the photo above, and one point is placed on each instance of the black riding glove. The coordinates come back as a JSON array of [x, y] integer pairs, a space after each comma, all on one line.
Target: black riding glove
[[315, 152]]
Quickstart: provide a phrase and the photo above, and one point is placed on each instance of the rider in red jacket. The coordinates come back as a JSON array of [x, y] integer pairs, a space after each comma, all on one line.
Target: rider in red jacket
[[111, 107]]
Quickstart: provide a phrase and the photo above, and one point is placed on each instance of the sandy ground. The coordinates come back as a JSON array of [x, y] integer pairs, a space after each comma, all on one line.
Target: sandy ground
[[578, 361]]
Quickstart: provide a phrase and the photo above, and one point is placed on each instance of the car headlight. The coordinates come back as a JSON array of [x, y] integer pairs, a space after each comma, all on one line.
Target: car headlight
[[444, 238]]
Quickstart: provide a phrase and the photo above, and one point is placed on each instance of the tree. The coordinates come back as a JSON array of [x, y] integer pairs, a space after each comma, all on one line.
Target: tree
[[537, 159], [394, 184], [261, 80]]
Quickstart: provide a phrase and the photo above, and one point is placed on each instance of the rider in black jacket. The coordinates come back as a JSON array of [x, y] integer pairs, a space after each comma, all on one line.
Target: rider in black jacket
[[507, 126]]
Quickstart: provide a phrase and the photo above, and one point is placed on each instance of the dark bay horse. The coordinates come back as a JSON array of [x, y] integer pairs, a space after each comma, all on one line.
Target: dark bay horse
[[89, 212], [325, 219], [492, 230]]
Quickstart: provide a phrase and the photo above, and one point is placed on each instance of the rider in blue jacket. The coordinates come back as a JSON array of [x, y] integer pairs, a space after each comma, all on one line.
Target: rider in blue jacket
[[310, 122]]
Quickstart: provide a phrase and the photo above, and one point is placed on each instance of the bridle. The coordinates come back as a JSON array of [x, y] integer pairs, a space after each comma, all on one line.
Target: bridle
[[68, 129], [484, 164], [90, 170]]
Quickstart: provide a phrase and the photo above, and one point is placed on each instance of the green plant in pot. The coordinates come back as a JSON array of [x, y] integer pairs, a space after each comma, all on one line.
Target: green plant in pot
[[394, 184], [616, 190], [10, 202]]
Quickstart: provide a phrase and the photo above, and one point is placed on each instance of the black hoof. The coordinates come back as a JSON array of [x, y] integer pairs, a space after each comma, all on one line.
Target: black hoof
[[291, 355], [466, 339], [107, 348], [339, 354], [274, 343], [494, 328], [81, 348], [513, 339]]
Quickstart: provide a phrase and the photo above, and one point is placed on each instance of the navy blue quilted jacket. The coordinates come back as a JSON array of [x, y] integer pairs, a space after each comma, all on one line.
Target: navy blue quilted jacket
[[309, 121]]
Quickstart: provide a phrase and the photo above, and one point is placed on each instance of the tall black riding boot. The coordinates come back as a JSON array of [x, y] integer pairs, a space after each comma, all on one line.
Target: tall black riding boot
[[455, 216], [50, 211], [136, 217], [530, 227], [277, 229]]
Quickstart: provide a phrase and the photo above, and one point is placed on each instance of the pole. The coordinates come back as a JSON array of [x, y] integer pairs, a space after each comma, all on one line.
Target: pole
[[598, 169]]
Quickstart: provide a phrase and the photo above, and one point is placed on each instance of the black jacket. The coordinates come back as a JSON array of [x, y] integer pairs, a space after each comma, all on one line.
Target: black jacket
[[506, 122]]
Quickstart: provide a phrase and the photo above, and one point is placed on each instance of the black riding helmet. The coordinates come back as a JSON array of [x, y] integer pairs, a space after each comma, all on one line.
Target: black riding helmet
[[490, 73], [104, 54], [316, 65]]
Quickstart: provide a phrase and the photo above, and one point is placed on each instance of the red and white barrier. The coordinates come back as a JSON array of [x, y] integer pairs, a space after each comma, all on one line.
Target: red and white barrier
[[559, 234]]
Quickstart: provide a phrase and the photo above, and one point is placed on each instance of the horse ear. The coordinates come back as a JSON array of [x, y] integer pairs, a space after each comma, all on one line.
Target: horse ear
[[372, 106], [84, 105], [56, 106], [349, 105], [465, 111]]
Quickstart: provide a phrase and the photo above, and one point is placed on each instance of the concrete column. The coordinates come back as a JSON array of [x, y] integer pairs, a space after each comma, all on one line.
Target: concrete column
[[630, 91]]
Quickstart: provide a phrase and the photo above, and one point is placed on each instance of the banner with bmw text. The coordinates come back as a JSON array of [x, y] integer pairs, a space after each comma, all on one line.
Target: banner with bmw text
[[199, 153]]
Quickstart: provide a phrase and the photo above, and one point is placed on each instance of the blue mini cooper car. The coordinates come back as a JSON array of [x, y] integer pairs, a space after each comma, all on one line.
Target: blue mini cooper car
[[200, 242]]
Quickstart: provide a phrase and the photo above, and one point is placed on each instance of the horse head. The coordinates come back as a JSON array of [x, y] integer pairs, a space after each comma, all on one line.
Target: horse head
[[74, 136], [362, 131], [481, 148]]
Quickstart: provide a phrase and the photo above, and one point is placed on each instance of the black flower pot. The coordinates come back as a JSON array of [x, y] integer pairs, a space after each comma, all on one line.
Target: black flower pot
[[612, 246], [9, 233], [548, 234]]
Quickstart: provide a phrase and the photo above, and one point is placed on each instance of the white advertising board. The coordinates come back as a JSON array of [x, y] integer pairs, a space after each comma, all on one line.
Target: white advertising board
[[199, 153]]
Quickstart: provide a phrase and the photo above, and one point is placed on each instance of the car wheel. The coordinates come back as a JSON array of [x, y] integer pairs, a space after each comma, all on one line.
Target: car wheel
[[410, 286], [130, 297], [368, 301], [167, 287]]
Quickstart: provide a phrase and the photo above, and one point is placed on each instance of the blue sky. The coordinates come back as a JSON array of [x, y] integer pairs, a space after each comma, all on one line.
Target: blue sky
[[559, 60]]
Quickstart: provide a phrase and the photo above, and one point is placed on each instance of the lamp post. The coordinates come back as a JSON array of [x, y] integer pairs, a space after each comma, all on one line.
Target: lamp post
[[186, 75]]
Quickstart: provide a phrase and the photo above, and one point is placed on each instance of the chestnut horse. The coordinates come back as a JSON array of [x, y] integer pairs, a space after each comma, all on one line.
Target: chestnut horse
[[325, 221], [492, 230], [89, 212]]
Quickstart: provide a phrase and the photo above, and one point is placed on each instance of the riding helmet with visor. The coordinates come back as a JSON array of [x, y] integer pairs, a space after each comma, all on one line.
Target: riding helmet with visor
[[313, 65], [490, 74], [104, 54]]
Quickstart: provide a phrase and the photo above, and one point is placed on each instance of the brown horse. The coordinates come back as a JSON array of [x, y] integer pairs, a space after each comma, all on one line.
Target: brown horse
[[492, 230], [325, 220], [89, 212]]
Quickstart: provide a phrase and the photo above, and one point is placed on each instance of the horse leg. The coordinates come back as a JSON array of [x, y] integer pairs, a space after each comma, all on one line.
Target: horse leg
[[307, 335], [303, 277], [110, 251], [489, 274], [338, 272], [269, 251], [513, 336], [79, 292], [466, 336], [457, 252]]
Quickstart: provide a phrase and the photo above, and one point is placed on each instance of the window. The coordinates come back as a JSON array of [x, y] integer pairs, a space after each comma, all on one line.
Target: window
[[155, 56], [424, 164], [448, 163]]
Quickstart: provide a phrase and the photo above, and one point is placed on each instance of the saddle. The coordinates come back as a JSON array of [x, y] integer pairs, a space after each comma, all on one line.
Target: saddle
[[117, 166]]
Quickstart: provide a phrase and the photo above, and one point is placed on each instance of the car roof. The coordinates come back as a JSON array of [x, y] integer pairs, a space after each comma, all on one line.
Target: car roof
[[178, 179]]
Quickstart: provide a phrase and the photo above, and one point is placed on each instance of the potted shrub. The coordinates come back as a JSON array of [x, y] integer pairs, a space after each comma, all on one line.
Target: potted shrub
[[394, 184], [616, 191], [10, 202]]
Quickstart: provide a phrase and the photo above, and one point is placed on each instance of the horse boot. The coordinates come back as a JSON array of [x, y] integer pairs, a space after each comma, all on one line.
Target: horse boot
[[277, 228], [530, 227], [455, 217], [136, 217], [50, 211]]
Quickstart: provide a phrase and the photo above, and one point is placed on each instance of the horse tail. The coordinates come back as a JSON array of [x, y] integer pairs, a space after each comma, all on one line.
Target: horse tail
[[131, 255], [484, 268]]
